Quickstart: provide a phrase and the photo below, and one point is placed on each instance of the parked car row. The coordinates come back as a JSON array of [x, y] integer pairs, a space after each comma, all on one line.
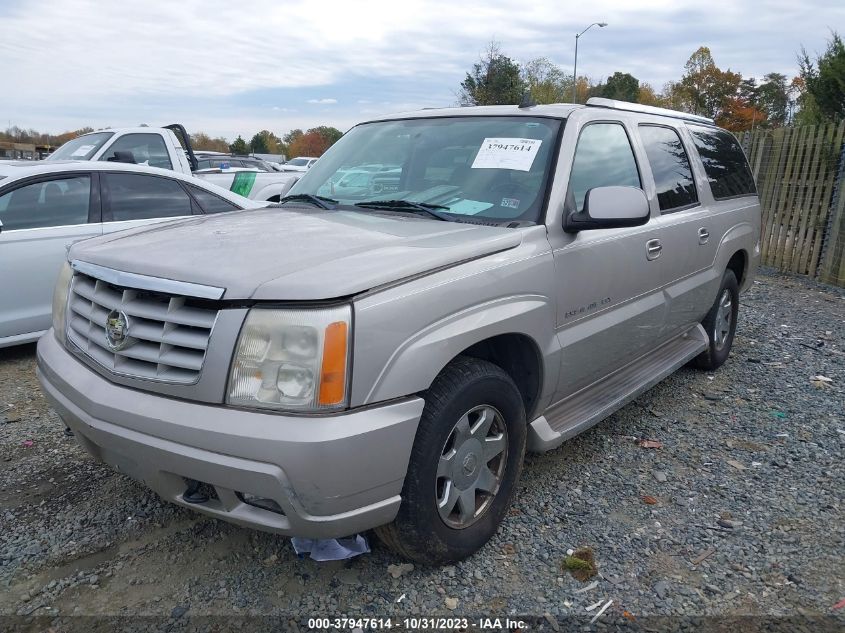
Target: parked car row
[[439, 293]]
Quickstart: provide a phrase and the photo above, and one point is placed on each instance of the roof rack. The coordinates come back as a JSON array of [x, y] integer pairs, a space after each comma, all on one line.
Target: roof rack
[[600, 102]]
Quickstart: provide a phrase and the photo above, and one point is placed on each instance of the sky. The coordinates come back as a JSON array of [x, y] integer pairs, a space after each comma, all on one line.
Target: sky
[[229, 68]]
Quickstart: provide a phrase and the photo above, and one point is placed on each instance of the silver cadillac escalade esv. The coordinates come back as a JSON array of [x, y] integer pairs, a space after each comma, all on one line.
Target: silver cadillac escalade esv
[[332, 364]]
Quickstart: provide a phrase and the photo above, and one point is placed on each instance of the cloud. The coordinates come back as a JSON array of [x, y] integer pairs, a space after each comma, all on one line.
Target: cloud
[[86, 62]]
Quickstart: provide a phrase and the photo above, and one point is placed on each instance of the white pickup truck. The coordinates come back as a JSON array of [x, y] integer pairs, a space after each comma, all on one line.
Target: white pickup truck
[[169, 147]]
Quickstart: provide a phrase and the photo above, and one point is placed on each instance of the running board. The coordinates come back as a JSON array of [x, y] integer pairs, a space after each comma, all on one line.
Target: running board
[[594, 403]]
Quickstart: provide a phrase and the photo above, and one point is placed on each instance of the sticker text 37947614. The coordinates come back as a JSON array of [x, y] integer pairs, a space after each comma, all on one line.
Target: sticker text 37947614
[[507, 153]]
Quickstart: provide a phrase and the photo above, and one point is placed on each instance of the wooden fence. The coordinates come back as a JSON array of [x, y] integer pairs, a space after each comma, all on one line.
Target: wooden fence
[[799, 174]]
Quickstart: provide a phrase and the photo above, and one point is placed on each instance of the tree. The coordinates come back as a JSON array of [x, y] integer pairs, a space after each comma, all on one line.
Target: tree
[[824, 96], [239, 146], [288, 140], [314, 142], [774, 97], [265, 142], [545, 81], [621, 86], [704, 88], [258, 144], [494, 80], [583, 89], [331, 134], [648, 96], [311, 143], [738, 115], [202, 141]]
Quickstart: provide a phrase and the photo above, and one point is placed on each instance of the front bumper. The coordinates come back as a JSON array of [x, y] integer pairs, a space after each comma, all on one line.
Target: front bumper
[[331, 475]]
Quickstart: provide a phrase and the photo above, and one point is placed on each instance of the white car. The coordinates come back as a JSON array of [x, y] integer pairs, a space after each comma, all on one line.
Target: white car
[[47, 206], [300, 163], [162, 147]]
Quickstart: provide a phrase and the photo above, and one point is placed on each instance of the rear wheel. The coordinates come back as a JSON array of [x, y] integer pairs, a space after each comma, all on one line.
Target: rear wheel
[[720, 325], [464, 465]]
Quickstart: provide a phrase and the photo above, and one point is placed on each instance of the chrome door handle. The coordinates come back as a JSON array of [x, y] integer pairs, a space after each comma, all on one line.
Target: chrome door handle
[[653, 249], [703, 235]]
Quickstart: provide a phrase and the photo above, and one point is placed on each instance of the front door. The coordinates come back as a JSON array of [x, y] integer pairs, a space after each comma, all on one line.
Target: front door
[[610, 310]]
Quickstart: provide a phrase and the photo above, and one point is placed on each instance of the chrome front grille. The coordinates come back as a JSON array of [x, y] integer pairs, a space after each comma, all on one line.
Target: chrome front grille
[[166, 335]]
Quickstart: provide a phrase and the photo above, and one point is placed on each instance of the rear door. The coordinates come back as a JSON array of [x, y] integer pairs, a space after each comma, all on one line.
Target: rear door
[[685, 226], [693, 227], [131, 199], [41, 218]]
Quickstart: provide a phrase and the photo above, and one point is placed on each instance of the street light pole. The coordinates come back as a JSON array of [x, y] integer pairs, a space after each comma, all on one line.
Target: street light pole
[[575, 69]]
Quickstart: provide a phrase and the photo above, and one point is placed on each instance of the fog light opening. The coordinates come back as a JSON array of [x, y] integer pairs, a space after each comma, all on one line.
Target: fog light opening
[[260, 502], [198, 492]]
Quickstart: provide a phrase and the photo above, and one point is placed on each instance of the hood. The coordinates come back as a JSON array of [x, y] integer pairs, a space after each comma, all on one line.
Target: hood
[[293, 253]]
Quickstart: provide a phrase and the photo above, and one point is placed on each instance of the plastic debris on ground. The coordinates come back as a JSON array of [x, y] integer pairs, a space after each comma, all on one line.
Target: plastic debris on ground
[[602, 610], [331, 549], [820, 381], [589, 587], [644, 443]]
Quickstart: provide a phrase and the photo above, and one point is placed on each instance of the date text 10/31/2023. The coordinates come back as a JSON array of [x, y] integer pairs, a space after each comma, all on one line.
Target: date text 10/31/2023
[[418, 623]]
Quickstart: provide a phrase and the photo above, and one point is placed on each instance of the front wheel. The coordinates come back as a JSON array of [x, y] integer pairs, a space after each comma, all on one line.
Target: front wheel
[[720, 325], [464, 466]]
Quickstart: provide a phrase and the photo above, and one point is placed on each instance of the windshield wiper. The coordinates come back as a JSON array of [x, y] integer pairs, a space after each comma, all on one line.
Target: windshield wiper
[[317, 201], [407, 206]]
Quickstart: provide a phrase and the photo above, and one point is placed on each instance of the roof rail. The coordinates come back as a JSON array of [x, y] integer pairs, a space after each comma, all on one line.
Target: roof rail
[[600, 102]]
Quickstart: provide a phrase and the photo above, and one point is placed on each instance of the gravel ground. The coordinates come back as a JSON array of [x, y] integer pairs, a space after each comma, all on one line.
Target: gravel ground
[[748, 515]]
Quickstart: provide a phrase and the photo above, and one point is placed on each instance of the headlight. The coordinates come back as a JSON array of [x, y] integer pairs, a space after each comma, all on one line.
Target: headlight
[[60, 302], [292, 359]]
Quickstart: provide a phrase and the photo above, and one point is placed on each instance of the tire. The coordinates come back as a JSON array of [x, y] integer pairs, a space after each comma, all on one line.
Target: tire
[[449, 458], [719, 342]]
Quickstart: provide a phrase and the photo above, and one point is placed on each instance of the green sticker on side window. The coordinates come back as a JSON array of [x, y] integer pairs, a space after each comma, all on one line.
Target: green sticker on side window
[[242, 184]]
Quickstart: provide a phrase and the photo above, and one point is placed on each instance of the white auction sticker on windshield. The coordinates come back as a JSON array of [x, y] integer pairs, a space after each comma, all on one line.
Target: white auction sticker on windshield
[[82, 150], [507, 153]]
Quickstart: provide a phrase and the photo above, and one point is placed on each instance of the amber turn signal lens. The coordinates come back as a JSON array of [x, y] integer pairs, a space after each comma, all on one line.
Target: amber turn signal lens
[[333, 372]]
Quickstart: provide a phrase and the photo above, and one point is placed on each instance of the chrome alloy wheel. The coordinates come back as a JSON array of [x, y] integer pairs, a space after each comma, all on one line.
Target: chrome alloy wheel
[[724, 315], [471, 466]]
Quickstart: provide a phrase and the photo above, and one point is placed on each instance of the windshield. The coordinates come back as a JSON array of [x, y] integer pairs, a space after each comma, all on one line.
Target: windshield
[[82, 147], [486, 169], [298, 162]]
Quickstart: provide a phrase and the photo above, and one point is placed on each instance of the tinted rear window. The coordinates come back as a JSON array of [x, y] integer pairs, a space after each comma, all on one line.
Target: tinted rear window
[[724, 163], [670, 167], [211, 203]]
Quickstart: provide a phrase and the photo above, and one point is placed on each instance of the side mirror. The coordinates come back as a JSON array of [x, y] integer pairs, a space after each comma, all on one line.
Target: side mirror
[[122, 157], [1, 226], [609, 208]]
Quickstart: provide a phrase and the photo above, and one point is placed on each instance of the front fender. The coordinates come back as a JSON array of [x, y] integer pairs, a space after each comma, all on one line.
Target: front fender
[[415, 363], [404, 335]]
